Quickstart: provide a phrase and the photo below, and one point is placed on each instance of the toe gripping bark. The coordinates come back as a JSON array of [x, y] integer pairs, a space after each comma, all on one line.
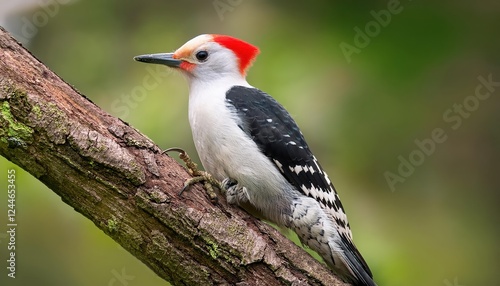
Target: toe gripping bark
[[208, 181]]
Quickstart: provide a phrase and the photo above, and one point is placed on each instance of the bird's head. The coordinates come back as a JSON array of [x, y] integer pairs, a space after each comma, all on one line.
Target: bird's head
[[208, 56]]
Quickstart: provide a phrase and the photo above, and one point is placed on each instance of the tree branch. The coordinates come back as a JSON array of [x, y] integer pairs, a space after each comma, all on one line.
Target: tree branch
[[118, 178]]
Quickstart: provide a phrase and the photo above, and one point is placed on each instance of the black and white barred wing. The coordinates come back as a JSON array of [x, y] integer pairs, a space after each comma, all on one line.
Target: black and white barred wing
[[279, 138], [270, 126]]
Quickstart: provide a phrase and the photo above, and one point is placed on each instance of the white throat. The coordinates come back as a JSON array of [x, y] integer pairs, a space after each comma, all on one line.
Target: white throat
[[208, 116]]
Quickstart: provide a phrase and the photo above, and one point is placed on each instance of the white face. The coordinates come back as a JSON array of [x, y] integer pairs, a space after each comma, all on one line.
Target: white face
[[205, 59]]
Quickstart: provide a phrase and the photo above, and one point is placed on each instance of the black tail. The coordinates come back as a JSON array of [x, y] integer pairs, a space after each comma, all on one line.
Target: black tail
[[361, 273]]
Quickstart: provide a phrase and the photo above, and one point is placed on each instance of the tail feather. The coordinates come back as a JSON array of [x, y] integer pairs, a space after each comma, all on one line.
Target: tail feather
[[361, 274]]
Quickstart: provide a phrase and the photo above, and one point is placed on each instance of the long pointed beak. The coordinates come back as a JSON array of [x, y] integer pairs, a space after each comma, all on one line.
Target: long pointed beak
[[162, 59]]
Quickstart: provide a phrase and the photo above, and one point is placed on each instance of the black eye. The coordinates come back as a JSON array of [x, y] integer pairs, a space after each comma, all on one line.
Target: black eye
[[202, 56]]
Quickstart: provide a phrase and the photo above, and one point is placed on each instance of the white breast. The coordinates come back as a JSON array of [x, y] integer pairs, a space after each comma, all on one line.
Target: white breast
[[226, 151]]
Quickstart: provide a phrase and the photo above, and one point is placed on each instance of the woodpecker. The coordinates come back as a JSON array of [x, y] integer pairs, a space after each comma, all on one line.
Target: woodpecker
[[249, 142]]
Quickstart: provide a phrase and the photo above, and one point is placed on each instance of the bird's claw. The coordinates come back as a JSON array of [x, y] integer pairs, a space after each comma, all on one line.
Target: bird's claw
[[209, 182]]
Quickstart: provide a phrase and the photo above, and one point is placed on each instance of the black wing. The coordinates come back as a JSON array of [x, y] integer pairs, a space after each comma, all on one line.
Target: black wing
[[277, 135], [275, 132], [279, 138]]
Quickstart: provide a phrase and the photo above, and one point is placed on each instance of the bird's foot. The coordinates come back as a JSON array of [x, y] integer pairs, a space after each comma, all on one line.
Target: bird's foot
[[235, 193], [208, 181]]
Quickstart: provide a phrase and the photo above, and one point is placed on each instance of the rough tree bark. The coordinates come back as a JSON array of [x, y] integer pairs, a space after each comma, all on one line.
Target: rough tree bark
[[118, 178]]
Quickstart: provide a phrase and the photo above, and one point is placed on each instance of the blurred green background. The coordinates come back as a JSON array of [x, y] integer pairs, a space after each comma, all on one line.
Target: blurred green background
[[364, 82]]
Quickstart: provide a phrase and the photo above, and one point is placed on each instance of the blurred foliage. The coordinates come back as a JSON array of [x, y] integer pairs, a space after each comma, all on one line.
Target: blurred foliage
[[438, 227]]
